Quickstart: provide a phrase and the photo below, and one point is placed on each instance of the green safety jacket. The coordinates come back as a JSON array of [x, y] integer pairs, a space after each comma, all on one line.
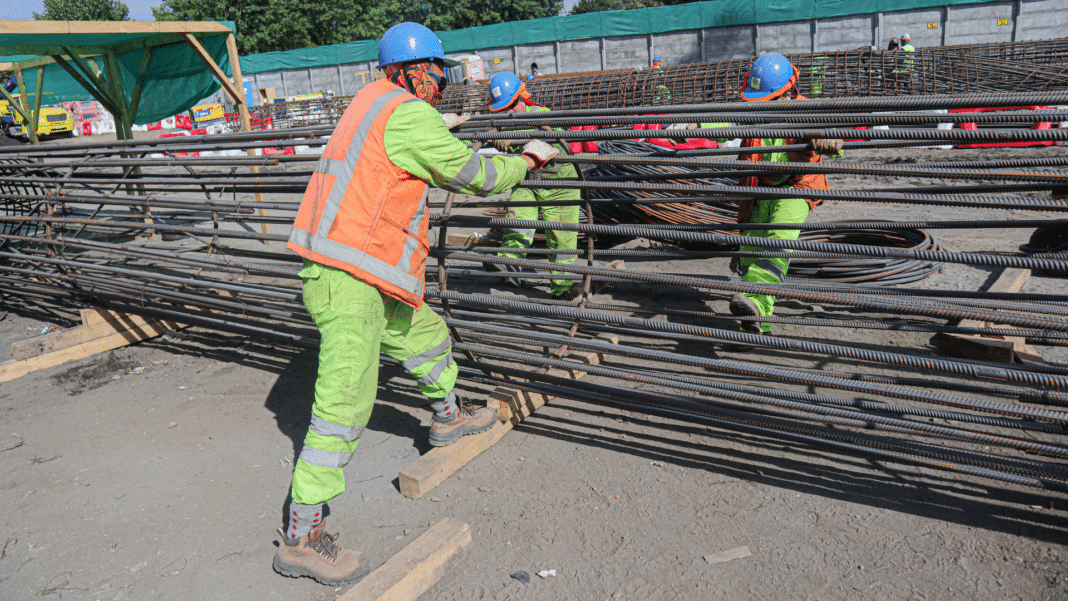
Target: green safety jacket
[[557, 171]]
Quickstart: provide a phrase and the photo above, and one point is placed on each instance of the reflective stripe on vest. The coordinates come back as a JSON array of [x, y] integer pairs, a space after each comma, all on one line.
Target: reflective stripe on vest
[[388, 274]]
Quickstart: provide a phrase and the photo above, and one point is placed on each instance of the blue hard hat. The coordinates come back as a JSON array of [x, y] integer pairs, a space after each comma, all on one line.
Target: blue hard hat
[[656, 58], [769, 77], [504, 89], [410, 42], [530, 77]]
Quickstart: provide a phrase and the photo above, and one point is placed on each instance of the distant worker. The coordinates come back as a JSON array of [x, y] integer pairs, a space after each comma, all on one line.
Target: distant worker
[[661, 93], [906, 43], [362, 229], [893, 45], [507, 93], [773, 78], [533, 72]]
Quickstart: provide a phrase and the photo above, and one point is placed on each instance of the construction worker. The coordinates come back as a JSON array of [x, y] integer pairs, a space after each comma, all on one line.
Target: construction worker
[[906, 43], [773, 78], [507, 93], [362, 229], [661, 93]]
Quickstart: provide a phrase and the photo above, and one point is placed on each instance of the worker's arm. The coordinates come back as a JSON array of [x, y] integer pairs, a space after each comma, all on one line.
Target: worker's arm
[[417, 141]]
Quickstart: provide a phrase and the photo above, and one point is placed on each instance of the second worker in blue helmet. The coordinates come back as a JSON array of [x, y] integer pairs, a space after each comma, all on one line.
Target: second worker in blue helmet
[[508, 93], [772, 78]]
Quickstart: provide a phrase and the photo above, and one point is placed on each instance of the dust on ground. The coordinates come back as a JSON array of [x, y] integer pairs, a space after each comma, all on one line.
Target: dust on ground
[[168, 482]]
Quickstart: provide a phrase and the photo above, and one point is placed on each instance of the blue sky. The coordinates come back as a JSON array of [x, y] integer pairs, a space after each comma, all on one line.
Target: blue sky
[[140, 10]]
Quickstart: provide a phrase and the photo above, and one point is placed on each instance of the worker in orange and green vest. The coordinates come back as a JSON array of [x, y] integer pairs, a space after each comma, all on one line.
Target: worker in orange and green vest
[[362, 229], [507, 93], [773, 78]]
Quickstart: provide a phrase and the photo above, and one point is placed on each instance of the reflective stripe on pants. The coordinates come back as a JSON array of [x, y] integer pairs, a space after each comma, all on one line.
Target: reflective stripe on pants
[[768, 270], [555, 239], [356, 322]]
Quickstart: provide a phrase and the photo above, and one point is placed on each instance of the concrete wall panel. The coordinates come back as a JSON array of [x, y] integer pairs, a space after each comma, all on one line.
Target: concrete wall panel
[[1042, 20], [629, 52], [970, 22], [677, 48], [729, 42], [324, 79], [845, 33], [913, 22], [786, 37], [580, 55]]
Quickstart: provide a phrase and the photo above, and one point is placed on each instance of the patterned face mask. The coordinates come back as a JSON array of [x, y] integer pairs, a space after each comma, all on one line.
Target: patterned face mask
[[418, 80]]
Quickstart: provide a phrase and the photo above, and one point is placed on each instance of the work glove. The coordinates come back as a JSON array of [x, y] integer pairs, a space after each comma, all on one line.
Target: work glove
[[540, 152], [827, 146], [503, 145], [452, 120]]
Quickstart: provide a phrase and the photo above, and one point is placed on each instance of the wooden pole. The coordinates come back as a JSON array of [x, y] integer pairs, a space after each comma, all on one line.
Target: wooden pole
[[242, 111], [31, 125], [37, 98]]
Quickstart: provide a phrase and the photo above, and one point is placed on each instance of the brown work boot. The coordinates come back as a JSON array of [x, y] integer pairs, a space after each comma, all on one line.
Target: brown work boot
[[743, 306], [467, 419], [317, 555]]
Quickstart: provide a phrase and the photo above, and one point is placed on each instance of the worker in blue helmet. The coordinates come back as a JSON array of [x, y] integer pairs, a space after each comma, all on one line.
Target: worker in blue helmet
[[772, 78], [661, 93], [507, 93], [362, 230]]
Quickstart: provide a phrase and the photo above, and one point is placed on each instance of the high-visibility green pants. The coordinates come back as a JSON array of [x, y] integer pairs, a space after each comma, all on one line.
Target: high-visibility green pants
[[770, 271], [555, 239], [356, 321]]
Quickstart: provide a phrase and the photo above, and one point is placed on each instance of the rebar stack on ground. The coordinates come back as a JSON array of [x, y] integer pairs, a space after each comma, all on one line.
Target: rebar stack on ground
[[78, 223]]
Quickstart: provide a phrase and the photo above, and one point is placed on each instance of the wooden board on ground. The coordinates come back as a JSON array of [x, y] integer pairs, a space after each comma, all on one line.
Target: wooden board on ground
[[410, 573], [105, 331], [433, 468], [987, 348]]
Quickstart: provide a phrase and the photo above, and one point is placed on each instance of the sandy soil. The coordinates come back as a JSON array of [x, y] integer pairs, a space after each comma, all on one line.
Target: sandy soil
[[169, 483]]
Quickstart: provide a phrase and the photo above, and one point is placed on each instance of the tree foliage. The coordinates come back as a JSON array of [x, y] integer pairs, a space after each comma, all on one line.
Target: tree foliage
[[268, 25], [83, 10], [594, 6]]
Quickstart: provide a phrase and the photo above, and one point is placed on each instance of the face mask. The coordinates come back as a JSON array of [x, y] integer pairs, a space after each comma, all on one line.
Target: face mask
[[418, 80]]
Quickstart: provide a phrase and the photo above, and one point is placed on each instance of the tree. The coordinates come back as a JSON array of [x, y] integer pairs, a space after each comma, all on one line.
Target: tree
[[594, 6], [83, 10], [267, 25]]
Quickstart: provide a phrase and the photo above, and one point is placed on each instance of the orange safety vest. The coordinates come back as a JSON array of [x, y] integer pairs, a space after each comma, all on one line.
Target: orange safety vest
[[361, 213], [809, 181]]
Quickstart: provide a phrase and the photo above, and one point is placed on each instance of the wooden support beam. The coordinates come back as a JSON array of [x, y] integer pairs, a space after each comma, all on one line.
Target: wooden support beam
[[433, 468], [410, 573], [97, 95], [37, 98], [208, 61], [987, 348], [105, 323], [84, 349], [135, 98], [31, 124], [242, 111]]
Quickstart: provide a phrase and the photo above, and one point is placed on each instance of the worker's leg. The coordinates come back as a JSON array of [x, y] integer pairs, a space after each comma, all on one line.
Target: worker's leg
[[420, 341], [349, 316], [561, 239], [519, 237], [768, 270]]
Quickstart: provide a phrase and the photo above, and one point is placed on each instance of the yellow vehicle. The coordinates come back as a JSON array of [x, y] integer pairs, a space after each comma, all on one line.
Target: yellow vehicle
[[208, 114], [52, 121]]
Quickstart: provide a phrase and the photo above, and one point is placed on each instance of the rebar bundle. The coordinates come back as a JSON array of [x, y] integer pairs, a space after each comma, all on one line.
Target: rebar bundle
[[133, 227]]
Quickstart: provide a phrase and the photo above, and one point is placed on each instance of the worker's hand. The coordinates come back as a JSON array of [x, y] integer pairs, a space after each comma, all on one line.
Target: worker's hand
[[503, 145], [452, 120], [827, 146], [540, 152]]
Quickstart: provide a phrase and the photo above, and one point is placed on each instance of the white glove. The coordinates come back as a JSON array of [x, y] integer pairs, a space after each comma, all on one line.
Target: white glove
[[540, 152], [452, 120]]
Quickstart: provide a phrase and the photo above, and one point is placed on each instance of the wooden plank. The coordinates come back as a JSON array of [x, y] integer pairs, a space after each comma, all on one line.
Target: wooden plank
[[16, 369], [135, 326], [433, 468], [209, 62], [987, 348], [410, 573], [67, 27]]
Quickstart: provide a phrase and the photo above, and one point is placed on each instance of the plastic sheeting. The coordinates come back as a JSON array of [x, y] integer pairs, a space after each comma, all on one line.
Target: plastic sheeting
[[696, 15], [175, 80]]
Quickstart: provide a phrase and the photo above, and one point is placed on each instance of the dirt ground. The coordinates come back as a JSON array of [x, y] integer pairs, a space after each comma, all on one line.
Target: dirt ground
[[168, 482]]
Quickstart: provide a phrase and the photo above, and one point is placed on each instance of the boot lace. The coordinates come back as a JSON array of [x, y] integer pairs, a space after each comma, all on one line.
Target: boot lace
[[465, 406], [325, 545]]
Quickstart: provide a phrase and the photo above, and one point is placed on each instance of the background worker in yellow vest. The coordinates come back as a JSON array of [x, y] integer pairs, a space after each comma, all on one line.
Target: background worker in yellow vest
[[362, 229], [507, 93], [772, 78]]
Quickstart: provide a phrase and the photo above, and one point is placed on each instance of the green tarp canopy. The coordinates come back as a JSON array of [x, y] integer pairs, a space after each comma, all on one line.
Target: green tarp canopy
[[174, 79]]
